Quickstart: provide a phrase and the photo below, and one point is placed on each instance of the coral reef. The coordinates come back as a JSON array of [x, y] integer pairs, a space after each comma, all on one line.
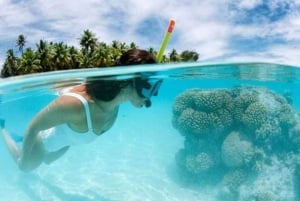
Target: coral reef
[[294, 135], [200, 163], [264, 196], [236, 151], [202, 113], [233, 132], [234, 179]]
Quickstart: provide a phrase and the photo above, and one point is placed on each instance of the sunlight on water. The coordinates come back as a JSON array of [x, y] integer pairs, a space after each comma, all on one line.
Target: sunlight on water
[[215, 132]]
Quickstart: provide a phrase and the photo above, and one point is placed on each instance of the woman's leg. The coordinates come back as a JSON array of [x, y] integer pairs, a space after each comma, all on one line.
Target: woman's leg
[[12, 146], [38, 154], [36, 158], [53, 156]]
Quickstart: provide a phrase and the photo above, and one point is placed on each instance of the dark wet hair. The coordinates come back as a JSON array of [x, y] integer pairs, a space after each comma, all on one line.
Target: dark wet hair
[[107, 89], [135, 57]]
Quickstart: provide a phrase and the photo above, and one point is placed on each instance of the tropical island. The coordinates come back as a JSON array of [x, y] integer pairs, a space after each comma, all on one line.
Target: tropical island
[[53, 56]]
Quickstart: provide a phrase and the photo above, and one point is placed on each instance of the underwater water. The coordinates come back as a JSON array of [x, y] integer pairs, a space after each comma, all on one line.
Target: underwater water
[[215, 132]]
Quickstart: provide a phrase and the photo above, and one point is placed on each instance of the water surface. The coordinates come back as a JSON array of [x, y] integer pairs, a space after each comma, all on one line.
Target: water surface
[[167, 152]]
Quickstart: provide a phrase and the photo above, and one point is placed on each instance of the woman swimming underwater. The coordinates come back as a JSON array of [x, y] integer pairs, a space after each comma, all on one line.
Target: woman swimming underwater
[[81, 114]]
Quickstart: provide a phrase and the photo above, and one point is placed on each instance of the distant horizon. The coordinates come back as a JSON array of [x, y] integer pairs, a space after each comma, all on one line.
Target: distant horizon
[[224, 31]]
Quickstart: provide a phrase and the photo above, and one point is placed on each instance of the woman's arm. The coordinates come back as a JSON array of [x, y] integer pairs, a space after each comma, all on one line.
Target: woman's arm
[[57, 112]]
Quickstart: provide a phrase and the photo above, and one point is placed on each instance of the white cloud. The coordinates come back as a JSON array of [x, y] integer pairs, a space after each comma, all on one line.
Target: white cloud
[[249, 4], [206, 26], [13, 17], [287, 54], [281, 54], [290, 27]]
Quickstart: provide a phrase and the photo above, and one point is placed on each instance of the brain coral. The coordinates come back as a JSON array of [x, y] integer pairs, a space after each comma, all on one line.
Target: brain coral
[[198, 112], [254, 115], [183, 101], [236, 151], [294, 135], [200, 163], [235, 131], [234, 179], [262, 112]]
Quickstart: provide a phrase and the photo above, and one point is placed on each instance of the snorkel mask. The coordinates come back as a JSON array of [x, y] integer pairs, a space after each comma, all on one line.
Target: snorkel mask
[[147, 88]]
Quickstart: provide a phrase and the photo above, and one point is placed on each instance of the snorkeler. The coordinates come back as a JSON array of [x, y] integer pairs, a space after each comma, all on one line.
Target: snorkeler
[[80, 115]]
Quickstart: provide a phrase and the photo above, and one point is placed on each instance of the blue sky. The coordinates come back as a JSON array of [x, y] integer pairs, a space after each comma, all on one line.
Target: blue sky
[[219, 30]]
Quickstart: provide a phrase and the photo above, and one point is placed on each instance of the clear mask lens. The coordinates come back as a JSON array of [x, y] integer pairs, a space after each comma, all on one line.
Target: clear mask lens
[[152, 90]]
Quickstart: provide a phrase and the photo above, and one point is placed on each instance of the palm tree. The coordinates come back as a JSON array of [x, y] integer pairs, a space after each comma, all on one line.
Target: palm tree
[[189, 56], [100, 55], [115, 44], [29, 63], [6, 71], [21, 42], [88, 41], [10, 64], [152, 51], [174, 56], [117, 49], [86, 61], [44, 54], [61, 57], [165, 59], [75, 57], [133, 45]]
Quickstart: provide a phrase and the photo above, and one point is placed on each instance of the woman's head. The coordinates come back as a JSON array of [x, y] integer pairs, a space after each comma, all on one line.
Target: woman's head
[[135, 57], [107, 89]]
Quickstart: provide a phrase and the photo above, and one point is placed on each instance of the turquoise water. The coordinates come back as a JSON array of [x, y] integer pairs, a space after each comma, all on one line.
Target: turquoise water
[[216, 132]]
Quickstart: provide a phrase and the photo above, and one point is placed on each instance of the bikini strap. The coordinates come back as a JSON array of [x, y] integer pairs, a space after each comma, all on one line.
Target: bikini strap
[[86, 108]]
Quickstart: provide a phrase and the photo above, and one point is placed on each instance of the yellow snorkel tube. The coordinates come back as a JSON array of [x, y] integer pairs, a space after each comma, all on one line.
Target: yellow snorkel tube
[[165, 40]]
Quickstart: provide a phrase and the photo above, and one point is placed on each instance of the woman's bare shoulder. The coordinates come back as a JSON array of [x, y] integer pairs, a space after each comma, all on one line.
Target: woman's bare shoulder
[[66, 103], [78, 88]]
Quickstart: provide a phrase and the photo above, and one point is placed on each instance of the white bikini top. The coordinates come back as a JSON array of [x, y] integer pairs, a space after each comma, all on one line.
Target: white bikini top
[[86, 109], [62, 135]]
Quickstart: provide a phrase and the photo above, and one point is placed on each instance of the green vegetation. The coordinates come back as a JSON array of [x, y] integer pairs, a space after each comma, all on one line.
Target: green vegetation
[[52, 56]]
